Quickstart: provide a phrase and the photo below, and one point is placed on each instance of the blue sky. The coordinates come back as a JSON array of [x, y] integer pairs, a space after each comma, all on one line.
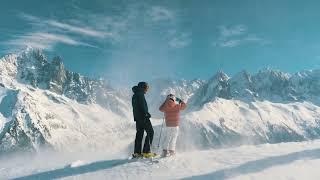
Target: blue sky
[[126, 41]]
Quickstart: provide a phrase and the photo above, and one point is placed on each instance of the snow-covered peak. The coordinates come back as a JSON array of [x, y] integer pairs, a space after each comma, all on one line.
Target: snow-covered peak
[[33, 56], [39, 100], [242, 76], [32, 68], [219, 76], [306, 85], [266, 84], [309, 74], [241, 85], [24, 67], [268, 77], [217, 86]]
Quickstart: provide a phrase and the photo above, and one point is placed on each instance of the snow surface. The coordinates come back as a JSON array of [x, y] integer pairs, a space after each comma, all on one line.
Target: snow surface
[[298, 160]]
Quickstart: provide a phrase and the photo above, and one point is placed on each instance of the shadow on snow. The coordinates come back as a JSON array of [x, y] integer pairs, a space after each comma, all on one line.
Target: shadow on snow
[[246, 168], [259, 165], [72, 171]]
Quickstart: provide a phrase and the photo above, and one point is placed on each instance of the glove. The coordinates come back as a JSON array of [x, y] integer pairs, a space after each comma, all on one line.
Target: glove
[[179, 100], [148, 115]]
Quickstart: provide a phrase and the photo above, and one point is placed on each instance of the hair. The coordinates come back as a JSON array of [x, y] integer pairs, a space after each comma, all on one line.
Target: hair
[[142, 85], [171, 96]]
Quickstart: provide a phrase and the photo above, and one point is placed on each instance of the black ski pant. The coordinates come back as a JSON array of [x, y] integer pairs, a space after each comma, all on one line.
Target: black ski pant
[[141, 127]]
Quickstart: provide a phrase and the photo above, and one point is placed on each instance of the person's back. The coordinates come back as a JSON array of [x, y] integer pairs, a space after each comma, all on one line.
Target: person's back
[[172, 116], [172, 111], [139, 104], [142, 119]]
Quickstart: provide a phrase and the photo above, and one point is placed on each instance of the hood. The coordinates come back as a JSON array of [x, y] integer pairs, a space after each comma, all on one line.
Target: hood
[[136, 89]]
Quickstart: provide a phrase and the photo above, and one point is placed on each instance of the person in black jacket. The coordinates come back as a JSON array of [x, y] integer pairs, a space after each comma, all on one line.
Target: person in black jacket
[[142, 119]]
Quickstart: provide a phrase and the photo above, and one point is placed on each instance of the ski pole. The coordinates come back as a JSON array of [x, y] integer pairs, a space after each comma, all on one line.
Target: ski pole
[[161, 132]]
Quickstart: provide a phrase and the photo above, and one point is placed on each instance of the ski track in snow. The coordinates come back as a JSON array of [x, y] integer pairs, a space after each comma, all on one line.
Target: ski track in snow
[[269, 161]]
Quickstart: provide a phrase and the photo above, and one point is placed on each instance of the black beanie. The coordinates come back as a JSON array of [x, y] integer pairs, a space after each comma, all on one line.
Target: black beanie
[[142, 85]]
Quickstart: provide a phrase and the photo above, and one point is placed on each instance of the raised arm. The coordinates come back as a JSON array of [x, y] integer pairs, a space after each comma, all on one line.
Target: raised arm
[[170, 105], [183, 106]]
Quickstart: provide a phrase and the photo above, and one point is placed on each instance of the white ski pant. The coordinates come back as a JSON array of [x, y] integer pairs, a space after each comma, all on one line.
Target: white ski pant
[[170, 138]]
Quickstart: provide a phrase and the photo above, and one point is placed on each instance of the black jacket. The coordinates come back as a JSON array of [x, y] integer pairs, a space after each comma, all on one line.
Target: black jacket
[[139, 105]]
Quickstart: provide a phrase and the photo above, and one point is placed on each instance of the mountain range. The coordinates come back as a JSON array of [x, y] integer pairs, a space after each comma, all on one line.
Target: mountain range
[[44, 104]]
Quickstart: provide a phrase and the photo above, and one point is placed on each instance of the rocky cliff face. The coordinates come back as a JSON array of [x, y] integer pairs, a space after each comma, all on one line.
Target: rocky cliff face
[[24, 123], [31, 67]]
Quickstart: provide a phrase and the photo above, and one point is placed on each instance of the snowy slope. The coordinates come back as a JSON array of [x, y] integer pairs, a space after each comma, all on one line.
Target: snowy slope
[[277, 161], [40, 117], [224, 123]]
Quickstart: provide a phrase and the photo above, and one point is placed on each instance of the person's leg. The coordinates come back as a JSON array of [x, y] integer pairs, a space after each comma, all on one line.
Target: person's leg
[[149, 138], [139, 137], [173, 140], [169, 134], [165, 142]]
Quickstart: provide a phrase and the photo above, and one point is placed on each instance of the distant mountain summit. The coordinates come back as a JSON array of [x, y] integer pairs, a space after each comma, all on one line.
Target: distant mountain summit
[[267, 84]]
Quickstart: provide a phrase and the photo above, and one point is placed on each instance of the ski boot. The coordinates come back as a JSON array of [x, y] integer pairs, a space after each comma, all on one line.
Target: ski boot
[[149, 155], [172, 152], [165, 153], [137, 156]]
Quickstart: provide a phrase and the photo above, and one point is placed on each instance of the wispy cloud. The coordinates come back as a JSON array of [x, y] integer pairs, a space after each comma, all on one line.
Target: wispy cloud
[[47, 33], [230, 43], [232, 31], [159, 13], [237, 35], [77, 29], [87, 28], [110, 28], [180, 40], [43, 40], [163, 16]]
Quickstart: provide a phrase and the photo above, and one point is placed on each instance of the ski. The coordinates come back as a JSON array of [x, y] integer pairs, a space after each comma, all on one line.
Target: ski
[[146, 160], [151, 158]]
